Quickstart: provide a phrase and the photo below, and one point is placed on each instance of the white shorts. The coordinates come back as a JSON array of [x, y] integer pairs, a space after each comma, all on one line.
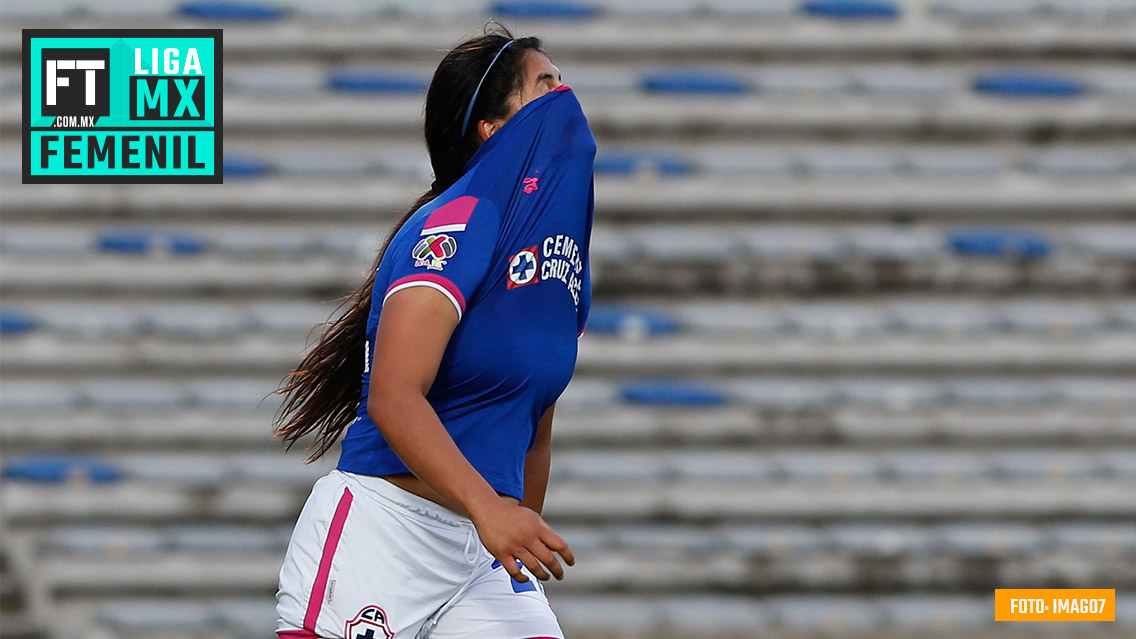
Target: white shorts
[[368, 560]]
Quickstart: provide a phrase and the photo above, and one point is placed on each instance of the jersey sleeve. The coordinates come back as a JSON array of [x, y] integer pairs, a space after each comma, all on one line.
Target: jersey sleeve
[[449, 249]]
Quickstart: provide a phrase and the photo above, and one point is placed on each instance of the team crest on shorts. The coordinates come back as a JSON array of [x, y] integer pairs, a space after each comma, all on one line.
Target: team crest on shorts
[[433, 251], [370, 623], [523, 268]]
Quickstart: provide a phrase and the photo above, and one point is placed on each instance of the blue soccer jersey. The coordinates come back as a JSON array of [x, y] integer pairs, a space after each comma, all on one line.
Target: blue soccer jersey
[[508, 245]]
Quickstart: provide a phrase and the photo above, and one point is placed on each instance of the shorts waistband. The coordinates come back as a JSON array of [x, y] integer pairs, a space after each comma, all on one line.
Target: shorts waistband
[[388, 492]]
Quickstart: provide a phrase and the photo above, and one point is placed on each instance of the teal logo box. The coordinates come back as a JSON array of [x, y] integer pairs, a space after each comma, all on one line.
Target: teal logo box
[[134, 106]]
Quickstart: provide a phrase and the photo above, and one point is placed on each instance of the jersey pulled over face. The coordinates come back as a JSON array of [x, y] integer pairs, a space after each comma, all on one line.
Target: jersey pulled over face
[[508, 245]]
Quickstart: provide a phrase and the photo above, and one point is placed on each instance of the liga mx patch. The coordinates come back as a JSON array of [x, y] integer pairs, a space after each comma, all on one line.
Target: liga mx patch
[[433, 251], [370, 623], [523, 268], [122, 106]]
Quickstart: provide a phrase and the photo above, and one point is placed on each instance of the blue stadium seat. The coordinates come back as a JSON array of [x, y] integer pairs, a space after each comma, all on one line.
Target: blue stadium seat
[[145, 242], [375, 81], [233, 11], [16, 322], [979, 539], [544, 10], [55, 469], [660, 392], [639, 163], [630, 322], [102, 539], [1029, 84], [245, 166], [991, 242], [694, 82], [851, 9]]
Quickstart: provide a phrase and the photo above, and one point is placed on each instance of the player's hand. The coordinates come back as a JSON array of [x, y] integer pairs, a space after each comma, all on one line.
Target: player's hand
[[514, 533]]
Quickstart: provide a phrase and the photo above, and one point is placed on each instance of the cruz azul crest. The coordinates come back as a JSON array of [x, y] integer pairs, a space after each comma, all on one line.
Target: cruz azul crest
[[433, 251], [370, 623]]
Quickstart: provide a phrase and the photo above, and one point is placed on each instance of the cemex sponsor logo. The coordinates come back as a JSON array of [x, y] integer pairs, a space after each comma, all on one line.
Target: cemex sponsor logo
[[122, 105]]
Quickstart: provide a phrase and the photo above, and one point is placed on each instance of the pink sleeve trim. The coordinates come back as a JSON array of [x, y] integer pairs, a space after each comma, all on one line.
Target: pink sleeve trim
[[451, 216], [448, 288], [315, 601]]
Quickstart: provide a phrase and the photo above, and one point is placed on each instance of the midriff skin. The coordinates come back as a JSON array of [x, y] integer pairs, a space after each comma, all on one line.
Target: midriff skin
[[412, 484]]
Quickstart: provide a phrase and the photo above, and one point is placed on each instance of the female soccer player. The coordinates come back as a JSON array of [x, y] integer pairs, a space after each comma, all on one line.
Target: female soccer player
[[444, 370]]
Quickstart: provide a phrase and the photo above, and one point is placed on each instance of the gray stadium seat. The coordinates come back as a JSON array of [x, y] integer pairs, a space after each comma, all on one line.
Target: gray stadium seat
[[908, 82], [791, 243], [280, 469], [683, 245], [157, 616], [743, 160], [851, 161], [135, 394], [47, 241], [1118, 463], [881, 540], [609, 612], [944, 318], [938, 613], [234, 393], [714, 614], [96, 320], [980, 11], [1095, 538], [1082, 162], [1002, 392], [943, 467], [647, 10], [890, 393], [254, 617], [803, 81], [843, 321], [260, 243], [132, 9], [601, 80], [1107, 393], [583, 393], [832, 613], [289, 318], [605, 466], [1105, 242], [675, 539], [753, 9], [195, 471], [770, 540], [895, 245], [732, 317], [1048, 465], [833, 467], [351, 244], [784, 393], [38, 395], [1052, 317], [330, 162], [990, 540], [1095, 10], [195, 321], [223, 538], [728, 465], [945, 161], [103, 539], [1114, 83]]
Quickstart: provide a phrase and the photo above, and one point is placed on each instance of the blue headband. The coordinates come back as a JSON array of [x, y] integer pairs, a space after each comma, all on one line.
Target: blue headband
[[469, 110]]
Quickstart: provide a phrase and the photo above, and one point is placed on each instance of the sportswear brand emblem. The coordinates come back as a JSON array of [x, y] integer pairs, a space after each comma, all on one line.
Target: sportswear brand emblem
[[523, 268], [433, 251], [530, 184], [370, 623]]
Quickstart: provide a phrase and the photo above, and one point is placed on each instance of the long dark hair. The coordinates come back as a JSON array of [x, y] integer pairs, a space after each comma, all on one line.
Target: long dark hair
[[323, 391]]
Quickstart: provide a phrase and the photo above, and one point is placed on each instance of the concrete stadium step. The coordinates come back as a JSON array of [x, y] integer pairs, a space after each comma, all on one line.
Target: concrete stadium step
[[683, 355], [1012, 197]]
